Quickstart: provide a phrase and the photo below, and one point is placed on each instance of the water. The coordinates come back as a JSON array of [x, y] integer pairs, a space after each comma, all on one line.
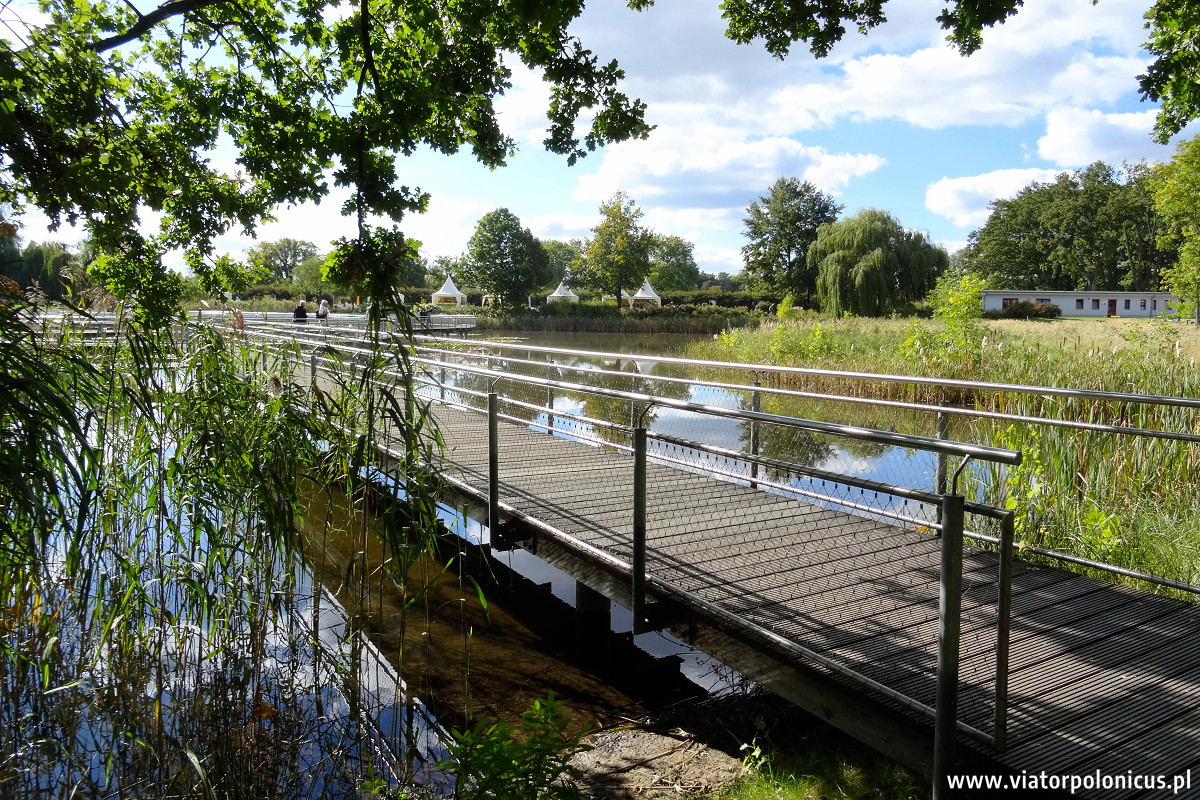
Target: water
[[916, 469]]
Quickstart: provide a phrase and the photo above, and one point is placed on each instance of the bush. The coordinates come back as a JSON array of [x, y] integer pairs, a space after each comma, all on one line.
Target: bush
[[526, 761], [1024, 309]]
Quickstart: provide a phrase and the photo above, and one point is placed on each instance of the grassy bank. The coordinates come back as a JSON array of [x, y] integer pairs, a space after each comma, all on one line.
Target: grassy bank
[[1129, 501]]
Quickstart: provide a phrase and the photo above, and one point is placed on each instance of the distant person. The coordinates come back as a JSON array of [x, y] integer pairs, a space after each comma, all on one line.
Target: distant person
[[323, 311], [300, 315]]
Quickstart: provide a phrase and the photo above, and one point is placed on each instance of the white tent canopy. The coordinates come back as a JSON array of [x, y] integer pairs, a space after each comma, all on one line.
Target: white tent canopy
[[449, 293], [647, 295], [562, 294]]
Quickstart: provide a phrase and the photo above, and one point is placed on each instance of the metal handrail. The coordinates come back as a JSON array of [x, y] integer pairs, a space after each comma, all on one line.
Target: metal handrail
[[945, 383], [975, 413], [997, 455]]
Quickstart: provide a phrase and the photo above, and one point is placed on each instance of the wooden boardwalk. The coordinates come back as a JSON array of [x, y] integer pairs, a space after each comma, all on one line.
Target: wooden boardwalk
[[1102, 679]]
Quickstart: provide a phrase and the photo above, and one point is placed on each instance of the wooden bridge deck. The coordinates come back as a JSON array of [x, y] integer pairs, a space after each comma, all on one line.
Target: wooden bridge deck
[[1102, 678]]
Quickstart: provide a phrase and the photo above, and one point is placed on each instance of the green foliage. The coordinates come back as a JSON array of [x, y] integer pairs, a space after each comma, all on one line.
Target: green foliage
[[1026, 309], [1177, 199], [280, 259], [526, 761], [794, 344], [957, 302], [617, 257], [1172, 79], [1093, 228], [869, 264], [562, 258], [779, 229], [672, 265], [505, 259], [784, 309], [108, 112]]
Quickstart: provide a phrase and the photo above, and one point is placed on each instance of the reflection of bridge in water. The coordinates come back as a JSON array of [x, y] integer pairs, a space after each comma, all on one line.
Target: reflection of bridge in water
[[850, 597]]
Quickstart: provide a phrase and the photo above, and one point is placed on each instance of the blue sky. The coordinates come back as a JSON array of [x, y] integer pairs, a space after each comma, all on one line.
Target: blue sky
[[893, 120]]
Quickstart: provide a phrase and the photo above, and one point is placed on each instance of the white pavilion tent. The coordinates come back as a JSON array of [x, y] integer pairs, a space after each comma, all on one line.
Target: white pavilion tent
[[562, 294], [449, 293], [646, 296]]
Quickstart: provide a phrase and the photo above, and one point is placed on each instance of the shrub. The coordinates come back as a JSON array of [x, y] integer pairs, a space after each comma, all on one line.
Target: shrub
[[1024, 309]]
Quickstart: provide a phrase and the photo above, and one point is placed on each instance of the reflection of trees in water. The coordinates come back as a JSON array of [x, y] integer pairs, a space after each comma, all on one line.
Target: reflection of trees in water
[[783, 443], [808, 449]]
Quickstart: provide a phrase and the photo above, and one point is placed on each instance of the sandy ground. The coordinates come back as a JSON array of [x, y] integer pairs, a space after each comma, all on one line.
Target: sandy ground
[[687, 751]]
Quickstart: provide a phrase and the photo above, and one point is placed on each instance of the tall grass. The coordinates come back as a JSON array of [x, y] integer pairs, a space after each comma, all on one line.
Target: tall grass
[[160, 634], [1123, 500]]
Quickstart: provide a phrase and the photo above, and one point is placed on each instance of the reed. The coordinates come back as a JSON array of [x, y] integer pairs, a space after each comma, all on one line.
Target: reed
[[1123, 500], [160, 633]]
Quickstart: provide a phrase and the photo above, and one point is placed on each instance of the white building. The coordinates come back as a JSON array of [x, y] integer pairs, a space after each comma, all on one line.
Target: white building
[[1084, 303]]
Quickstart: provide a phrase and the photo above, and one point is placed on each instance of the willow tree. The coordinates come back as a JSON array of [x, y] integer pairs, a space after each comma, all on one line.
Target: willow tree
[[869, 264]]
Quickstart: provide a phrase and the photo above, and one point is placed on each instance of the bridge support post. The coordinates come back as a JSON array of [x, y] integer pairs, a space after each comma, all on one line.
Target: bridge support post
[[639, 531], [593, 613], [945, 727]]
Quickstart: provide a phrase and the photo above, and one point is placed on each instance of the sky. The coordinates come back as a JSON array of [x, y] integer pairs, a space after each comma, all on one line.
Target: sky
[[894, 120]]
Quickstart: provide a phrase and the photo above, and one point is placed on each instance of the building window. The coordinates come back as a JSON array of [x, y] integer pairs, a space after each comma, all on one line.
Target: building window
[[1153, 303], [1095, 305], [1043, 301], [1079, 303], [1007, 301], [1143, 305], [1127, 305]]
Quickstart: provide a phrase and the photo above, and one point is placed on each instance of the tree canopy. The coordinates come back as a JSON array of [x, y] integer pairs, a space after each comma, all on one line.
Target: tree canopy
[[672, 264], [779, 228], [869, 264], [110, 112], [1177, 198], [1094, 228], [281, 258], [618, 254], [505, 259]]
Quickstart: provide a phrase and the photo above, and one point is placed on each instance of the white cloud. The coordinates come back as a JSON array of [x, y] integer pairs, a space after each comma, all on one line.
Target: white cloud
[[715, 167], [715, 259], [522, 109], [446, 227], [1076, 137], [964, 201], [693, 222], [562, 225]]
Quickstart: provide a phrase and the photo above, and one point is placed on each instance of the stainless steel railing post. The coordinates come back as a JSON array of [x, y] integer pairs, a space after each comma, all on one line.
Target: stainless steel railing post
[[639, 530], [1003, 628], [550, 398], [755, 405], [945, 725], [493, 406], [943, 430]]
